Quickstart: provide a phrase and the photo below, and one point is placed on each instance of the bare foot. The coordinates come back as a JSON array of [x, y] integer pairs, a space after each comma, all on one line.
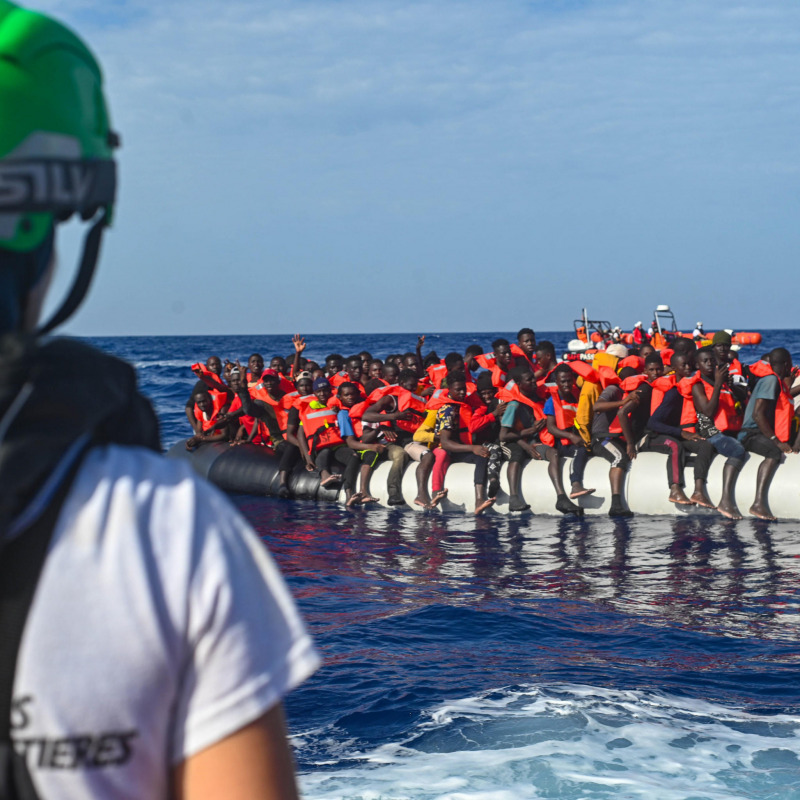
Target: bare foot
[[581, 492], [334, 478], [678, 496], [489, 501], [354, 499], [419, 500], [702, 499], [762, 512], [368, 498], [437, 498], [731, 512]]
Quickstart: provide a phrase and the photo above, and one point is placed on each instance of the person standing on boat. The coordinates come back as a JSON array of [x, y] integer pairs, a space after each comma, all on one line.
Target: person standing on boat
[[176, 635], [698, 334], [640, 336]]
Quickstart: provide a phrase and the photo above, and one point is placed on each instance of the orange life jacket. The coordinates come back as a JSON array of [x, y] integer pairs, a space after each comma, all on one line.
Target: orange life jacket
[[660, 387], [511, 392], [784, 405], [564, 412], [629, 385], [635, 362], [726, 418], [437, 373], [465, 412], [518, 353], [205, 424], [319, 426]]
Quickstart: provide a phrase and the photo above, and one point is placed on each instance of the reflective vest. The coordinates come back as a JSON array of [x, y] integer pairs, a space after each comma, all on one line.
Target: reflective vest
[[408, 400], [635, 362], [319, 426], [437, 373], [784, 406], [205, 422], [340, 377]]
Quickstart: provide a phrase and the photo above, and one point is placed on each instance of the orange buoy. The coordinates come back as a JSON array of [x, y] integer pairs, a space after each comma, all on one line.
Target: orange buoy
[[596, 337], [747, 338], [627, 338]]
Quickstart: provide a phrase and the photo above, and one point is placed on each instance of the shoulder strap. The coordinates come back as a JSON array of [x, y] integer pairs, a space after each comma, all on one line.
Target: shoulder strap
[[21, 562]]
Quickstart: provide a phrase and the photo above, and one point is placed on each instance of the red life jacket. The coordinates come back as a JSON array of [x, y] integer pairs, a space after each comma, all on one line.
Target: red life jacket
[[784, 405], [635, 362], [281, 406], [726, 418], [486, 360], [408, 400], [356, 414], [205, 424], [340, 377], [319, 426], [735, 367]]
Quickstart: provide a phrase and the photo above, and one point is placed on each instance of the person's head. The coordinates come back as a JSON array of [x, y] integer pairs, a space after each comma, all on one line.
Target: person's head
[[627, 372], [565, 379], [470, 353], [348, 394], [457, 386], [322, 390], [317, 372], [653, 367], [202, 399], [55, 161], [502, 353], [524, 379], [706, 362], [227, 369], [271, 380], [638, 324], [375, 369], [391, 371], [545, 354], [781, 361], [683, 345], [526, 339], [214, 364], [618, 350], [454, 362], [431, 360], [333, 364], [682, 365], [235, 379], [354, 368], [304, 384], [366, 357], [410, 361], [485, 388], [256, 365], [646, 350], [407, 379], [278, 363], [721, 344], [371, 385]]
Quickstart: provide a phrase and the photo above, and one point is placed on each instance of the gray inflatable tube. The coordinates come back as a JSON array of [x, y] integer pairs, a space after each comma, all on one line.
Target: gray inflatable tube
[[249, 469]]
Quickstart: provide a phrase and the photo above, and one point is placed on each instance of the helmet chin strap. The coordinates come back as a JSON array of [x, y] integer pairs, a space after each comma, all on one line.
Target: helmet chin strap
[[83, 279]]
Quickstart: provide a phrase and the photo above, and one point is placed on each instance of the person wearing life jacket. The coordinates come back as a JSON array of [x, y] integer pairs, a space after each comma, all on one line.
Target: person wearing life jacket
[[451, 431], [546, 359], [255, 366], [738, 375], [286, 407], [718, 420], [471, 359], [560, 410], [353, 373], [209, 426], [368, 447], [404, 411], [525, 348], [634, 413], [522, 423], [375, 371], [609, 444], [333, 363], [768, 422], [321, 441], [640, 335], [499, 362], [209, 381], [605, 364], [667, 433]]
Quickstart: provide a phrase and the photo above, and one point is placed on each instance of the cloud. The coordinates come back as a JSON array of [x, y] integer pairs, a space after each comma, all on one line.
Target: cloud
[[574, 148]]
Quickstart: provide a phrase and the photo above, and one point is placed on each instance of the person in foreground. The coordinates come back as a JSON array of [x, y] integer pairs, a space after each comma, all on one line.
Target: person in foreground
[[161, 637]]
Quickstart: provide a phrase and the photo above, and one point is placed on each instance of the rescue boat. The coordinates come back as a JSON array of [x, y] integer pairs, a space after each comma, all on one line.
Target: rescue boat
[[250, 469]]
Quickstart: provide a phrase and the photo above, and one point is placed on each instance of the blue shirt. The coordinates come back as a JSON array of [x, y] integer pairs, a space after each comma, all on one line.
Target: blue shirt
[[345, 424], [767, 388], [549, 407]]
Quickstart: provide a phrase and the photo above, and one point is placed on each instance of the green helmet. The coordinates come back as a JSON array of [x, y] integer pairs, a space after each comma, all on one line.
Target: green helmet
[[55, 139]]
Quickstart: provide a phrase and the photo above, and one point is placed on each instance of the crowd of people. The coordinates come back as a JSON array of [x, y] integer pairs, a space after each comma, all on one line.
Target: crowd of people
[[517, 402]]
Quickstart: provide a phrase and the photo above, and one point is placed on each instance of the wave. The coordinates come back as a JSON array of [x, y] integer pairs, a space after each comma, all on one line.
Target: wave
[[570, 741]]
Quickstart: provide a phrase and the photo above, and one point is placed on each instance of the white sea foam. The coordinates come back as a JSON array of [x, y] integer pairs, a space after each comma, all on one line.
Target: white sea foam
[[576, 742]]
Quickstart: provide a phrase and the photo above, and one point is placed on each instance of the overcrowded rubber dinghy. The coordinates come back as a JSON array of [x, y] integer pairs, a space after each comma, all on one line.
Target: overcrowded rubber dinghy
[[249, 469]]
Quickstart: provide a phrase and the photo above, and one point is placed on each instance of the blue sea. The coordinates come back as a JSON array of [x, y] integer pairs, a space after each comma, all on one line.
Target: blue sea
[[505, 658]]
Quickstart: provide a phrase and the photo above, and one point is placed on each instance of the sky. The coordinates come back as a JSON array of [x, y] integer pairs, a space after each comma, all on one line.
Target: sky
[[329, 166]]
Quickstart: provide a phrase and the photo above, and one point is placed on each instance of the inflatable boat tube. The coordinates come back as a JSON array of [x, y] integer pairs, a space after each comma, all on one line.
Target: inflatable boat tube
[[249, 469]]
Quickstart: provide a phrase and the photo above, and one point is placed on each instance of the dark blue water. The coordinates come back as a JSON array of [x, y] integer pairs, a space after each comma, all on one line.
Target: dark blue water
[[514, 658]]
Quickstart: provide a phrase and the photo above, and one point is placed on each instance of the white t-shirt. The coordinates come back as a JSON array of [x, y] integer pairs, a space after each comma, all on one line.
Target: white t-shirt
[[160, 626]]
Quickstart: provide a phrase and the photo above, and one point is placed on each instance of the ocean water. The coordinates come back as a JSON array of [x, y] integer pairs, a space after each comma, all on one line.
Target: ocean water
[[533, 657]]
